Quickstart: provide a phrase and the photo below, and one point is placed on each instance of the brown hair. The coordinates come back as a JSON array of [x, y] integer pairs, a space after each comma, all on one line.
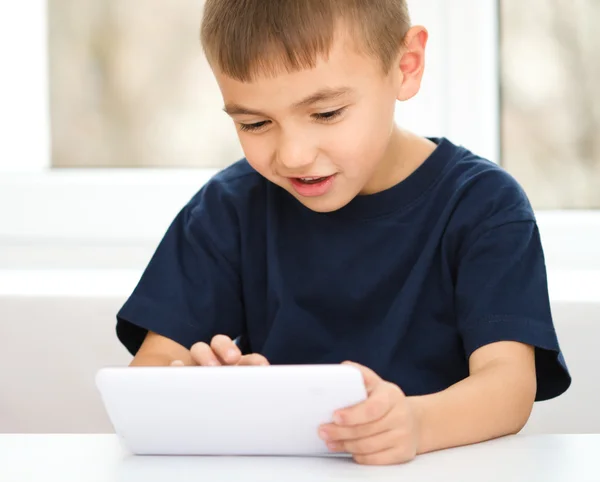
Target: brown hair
[[247, 38]]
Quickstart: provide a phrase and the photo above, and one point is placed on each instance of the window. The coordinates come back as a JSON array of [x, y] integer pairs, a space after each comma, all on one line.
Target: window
[[129, 87], [101, 147], [550, 66]]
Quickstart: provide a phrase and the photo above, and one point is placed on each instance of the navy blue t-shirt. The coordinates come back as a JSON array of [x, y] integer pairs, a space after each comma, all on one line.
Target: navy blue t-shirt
[[409, 281]]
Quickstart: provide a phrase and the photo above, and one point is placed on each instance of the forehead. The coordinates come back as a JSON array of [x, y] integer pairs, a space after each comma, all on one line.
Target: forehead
[[343, 67]]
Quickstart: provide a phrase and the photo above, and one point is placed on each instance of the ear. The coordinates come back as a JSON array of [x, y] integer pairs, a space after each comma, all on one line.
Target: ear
[[411, 63]]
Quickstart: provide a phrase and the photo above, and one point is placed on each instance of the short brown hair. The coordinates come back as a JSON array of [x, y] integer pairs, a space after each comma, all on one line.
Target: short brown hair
[[247, 38]]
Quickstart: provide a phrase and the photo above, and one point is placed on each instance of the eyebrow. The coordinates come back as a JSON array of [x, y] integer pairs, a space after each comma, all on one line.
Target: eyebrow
[[327, 94]]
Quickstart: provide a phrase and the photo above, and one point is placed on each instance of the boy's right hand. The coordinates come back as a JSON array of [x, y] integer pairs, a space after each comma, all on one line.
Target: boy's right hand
[[222, 351]]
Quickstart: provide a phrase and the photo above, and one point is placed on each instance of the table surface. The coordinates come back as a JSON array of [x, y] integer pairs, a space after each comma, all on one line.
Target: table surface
[[101, 458]]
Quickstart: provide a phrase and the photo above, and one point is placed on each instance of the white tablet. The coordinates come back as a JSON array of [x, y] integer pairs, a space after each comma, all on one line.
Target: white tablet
[[270, 410]]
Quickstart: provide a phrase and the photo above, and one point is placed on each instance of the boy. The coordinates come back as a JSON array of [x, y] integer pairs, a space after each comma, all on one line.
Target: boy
[[343, 237]]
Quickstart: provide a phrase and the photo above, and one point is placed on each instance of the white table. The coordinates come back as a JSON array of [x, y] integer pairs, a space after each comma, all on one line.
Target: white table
[[100, 458]]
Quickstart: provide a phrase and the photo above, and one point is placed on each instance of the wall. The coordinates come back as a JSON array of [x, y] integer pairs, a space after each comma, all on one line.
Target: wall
[[53, 343]]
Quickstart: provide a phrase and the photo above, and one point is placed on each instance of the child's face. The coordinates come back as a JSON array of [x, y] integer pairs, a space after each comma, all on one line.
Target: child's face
[[333, 123]]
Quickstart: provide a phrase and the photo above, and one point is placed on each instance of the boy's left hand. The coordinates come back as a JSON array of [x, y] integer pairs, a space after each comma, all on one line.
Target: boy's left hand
[[382, 430]]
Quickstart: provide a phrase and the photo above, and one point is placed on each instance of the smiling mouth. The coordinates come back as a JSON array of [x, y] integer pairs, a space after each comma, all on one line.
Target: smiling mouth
[[312, 186], [311, 180]]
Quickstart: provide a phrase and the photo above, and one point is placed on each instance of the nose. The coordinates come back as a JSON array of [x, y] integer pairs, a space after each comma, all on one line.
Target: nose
[[296, 154]]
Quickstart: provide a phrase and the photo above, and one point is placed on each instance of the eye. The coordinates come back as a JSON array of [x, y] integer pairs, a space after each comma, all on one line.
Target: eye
[[329, 116], [253, 127]]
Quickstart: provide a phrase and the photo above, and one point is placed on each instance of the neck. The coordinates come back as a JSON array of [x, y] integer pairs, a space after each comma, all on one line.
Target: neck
[[404, 154]]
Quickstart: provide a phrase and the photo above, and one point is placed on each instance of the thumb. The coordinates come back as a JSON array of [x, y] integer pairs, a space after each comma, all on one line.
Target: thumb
[[370, 378], [177, 363]]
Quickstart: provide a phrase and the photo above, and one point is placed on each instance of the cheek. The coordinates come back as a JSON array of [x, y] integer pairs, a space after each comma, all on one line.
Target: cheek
[[363, 141], [258, 151]]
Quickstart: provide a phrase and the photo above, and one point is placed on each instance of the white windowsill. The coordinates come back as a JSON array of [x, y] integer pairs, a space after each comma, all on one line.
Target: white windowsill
[[114, 220]]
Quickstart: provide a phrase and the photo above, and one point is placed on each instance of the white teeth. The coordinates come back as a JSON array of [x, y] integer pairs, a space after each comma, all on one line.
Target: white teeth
[[309, 178]]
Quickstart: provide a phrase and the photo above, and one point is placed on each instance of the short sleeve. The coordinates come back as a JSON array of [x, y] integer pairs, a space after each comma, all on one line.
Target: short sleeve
[[501, 294], [190, 290]]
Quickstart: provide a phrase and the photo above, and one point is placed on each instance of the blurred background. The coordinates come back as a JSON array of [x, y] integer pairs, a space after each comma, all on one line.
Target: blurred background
[[550, 100], [129, 87], [110, 121]]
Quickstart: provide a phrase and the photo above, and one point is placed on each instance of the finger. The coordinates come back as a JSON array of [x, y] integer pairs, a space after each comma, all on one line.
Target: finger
[[226, 350], [177, 363], [370, 378], [339, 433], [391, 456], [368, 445], [204, 356], [253, 359], [379, 403]]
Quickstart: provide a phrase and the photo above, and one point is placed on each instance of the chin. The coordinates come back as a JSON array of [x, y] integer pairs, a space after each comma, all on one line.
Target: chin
[[325, 204]]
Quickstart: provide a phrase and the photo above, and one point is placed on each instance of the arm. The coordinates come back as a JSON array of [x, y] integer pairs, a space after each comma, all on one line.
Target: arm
[[502, 311], [389, 427], [190, 290], [157, 350], [495, 400]]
